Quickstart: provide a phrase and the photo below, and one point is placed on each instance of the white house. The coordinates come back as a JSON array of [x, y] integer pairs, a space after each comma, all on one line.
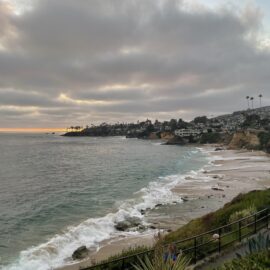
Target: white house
[[187, 132]]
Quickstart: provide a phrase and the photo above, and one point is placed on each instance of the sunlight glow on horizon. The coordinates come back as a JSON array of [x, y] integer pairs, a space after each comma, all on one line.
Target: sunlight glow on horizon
[[32, 130]]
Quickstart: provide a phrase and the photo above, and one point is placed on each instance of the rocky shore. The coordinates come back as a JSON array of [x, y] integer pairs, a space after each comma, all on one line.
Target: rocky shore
[[231, 172]]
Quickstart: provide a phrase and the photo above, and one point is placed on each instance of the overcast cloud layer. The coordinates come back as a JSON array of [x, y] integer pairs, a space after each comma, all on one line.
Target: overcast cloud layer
[[69, 62]]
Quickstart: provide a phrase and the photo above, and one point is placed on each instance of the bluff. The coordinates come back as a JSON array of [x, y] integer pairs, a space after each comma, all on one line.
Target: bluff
[[244, 140], [251, 140]]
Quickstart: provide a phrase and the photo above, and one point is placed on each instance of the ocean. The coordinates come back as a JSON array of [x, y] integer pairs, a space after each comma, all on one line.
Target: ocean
[[58, 193]]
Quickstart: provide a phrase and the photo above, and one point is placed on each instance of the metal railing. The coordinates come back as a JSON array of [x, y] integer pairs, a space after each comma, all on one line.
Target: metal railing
[[202, 245]]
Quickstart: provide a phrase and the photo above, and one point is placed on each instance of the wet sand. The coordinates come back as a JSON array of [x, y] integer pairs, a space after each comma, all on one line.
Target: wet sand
[[231, 172]]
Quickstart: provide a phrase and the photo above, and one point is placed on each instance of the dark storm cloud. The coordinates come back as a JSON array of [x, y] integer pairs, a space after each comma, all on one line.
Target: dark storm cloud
[[86, 61]]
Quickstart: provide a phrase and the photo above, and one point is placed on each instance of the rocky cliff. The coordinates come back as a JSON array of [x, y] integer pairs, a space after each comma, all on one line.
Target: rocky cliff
[[246, 140]]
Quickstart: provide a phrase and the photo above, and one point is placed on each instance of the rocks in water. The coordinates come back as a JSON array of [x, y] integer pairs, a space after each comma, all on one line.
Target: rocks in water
[[219, 149], [80, 253], [185, 199], [176, 141], [216, 176], [217, 189], [142, 228], [128, 223], [158, 205], [143, 211], [152, 227]]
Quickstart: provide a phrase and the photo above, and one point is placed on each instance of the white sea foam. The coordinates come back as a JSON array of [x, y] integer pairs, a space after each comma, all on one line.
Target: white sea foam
[[57, 251]]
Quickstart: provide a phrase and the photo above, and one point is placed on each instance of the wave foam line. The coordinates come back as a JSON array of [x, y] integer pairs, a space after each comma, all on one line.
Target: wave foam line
[[58, 250]]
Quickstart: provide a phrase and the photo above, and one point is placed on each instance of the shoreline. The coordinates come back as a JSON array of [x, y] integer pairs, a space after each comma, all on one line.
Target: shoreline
[[229, 173]]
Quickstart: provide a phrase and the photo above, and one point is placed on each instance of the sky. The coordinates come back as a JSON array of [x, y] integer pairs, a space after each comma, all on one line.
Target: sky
[[82, 62]]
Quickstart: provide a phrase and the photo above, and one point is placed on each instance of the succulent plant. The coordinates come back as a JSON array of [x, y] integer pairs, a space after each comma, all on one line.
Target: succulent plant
[[259, 243]]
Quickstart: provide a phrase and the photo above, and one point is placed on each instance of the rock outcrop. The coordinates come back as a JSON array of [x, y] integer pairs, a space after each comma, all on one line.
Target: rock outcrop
[[176, 141], [244, 139], [153, 136], [166, 135], [80, 253], [127, 224]]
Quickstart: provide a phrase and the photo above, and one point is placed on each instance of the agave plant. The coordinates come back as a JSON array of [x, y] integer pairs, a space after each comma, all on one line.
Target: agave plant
[[159, 263], [260, 243], [181, 263]]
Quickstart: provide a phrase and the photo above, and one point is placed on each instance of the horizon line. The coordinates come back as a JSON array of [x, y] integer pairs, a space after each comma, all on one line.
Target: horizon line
[[32, 130]]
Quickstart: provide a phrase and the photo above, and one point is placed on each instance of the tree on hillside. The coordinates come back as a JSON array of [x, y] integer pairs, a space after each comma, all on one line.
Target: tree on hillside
[[252, 121], [173, 124], [252, 98], [260, 97], [247, 97], [181, 124], [200, 120]]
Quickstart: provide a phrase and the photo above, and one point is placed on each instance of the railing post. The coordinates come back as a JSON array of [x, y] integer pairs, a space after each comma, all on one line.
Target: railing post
[[195, 249], [267, 218], [255, 223], [239, 231], [219, 240]]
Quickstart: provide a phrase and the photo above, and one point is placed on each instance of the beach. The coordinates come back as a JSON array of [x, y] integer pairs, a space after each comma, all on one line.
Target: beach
[[228, 173]]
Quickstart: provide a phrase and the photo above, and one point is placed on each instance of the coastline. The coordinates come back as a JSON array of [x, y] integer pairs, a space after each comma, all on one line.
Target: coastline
[[228, 173]]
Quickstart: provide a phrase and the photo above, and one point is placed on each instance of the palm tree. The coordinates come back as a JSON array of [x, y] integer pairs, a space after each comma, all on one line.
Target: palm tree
[[247, 97], [252, 98], [260, 96]]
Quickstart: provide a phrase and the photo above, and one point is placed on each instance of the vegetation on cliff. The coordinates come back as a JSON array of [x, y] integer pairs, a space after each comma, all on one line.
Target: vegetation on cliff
[[264, 138], [241, 204], [258, 261], [258, 199]]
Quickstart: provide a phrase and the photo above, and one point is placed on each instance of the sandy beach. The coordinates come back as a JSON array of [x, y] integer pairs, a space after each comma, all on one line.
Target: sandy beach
[[228, 173]]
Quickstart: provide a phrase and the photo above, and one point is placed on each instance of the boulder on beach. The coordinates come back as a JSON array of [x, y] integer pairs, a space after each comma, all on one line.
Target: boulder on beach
[[130, 222], [80, 253], [217, 189], [176, 141], [185, 199]]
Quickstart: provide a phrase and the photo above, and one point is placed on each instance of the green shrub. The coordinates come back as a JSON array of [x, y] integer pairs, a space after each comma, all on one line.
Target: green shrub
[[258, 261], [210, 138], [265, 141], [242, 214]]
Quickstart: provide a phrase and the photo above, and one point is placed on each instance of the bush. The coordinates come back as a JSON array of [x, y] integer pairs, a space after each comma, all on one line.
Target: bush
[[242, 214], [264, 138], [210, 138], [258, 261]]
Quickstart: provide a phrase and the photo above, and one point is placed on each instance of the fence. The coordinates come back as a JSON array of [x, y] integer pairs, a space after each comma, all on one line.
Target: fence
[[202, 245]]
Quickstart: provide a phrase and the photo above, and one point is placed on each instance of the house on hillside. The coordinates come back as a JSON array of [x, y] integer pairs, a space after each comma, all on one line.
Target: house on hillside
[[187, 132]]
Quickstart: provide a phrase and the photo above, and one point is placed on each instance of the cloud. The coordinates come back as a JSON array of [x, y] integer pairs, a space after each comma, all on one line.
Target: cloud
[[114, 60]]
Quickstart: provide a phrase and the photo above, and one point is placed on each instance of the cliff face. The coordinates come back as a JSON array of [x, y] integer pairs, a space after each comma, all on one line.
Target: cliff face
[[166, 135], [244, 139]]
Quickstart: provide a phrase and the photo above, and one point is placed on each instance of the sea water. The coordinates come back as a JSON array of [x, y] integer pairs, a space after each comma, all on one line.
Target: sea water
[[59, 193]]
